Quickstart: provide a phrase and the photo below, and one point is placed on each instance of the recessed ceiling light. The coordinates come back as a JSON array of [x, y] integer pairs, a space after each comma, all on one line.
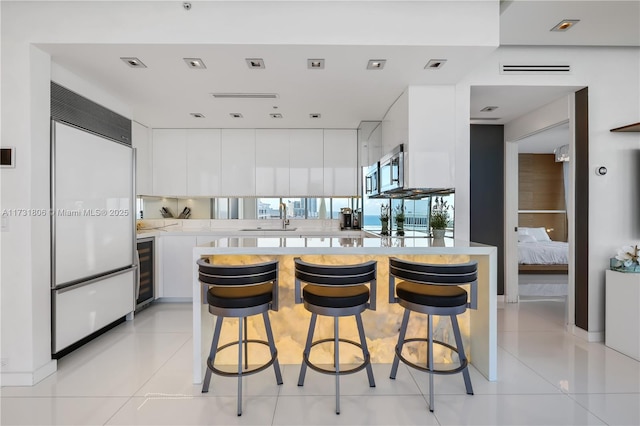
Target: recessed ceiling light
[[376, 64], [255, 63], [245, 95], [276, 115], [315, 64], [489, 109], [565, 24], [197, 115], [435, 64], [195, 63], [315, 115], [235, 115], [133, 62]]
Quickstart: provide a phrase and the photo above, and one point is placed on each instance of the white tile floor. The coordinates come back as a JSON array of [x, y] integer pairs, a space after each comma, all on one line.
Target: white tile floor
[[140, 373]]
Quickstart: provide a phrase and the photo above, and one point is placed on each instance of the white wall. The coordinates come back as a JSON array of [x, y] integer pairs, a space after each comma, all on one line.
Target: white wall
[[613, 101], [25, 76]]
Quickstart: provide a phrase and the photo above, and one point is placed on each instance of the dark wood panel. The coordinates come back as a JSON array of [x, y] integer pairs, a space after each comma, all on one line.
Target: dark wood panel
[[543, 269], [582, 209]]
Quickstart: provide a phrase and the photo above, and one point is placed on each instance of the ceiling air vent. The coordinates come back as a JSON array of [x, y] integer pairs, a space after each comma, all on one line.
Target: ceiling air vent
[[535, 69], [245, 95]]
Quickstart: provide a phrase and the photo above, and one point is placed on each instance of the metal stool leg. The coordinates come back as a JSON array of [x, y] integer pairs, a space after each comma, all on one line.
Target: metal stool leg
[[461, 354], [307, 349], [212, 354], [430, 359], [272, 347], [365, 350], [336, 360], [400, 344], [240, 329], [246, 344]]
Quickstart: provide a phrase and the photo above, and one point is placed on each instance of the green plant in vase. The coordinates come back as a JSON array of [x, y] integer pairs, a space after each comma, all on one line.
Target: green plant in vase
[[399, 217], [439, 219], [384, 219]]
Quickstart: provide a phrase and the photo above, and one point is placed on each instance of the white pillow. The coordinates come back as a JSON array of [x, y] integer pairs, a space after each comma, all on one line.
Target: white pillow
[[523, 231], [540, 234], [527, 239]]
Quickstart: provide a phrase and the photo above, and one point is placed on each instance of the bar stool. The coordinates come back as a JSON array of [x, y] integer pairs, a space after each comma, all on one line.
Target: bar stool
[[240, 291], [433, 289], [336, 291]]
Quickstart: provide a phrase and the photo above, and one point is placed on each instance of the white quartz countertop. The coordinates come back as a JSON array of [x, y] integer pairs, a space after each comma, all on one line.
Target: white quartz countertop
[[347, 245]]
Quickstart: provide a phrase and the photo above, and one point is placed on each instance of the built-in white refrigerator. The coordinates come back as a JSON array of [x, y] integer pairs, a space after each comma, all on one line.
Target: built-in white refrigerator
[[93, 270]]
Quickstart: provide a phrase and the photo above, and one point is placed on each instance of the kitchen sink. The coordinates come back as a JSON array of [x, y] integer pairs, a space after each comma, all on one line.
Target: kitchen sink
[[269, 229]]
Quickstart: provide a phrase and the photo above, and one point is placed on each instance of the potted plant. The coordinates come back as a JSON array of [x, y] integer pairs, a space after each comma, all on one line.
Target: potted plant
[[399, 217], [384, 219], [439, 218]]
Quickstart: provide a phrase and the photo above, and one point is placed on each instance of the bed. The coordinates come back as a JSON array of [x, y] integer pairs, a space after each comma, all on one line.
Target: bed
[[542, 263]]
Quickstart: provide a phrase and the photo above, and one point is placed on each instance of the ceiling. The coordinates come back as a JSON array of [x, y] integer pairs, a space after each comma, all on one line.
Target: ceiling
[[344, 93]]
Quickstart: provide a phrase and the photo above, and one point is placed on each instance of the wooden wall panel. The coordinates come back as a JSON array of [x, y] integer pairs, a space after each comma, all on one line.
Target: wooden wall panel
[[540, 183], [541, 187]]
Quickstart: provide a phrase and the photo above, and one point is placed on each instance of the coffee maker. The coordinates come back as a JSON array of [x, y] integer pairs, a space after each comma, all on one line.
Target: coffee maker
[[346, 218], [356, 219]]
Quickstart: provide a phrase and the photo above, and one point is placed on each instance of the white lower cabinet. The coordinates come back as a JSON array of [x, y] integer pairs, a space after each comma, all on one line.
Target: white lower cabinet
[[622, 318], [177, 266]]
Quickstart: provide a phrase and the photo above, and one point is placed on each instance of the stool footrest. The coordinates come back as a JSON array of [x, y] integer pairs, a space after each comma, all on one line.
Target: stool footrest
[[367, 359], [462, 366], [244, 372]]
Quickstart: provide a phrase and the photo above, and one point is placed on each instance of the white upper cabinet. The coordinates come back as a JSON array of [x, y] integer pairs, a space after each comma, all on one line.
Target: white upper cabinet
[[169, 162], [340, 162], [141, 136], [238, 162], [203, 162], [272, 162], [306, 165]]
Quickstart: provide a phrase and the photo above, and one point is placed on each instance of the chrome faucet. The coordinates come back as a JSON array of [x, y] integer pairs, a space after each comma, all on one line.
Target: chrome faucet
[[283, 215]]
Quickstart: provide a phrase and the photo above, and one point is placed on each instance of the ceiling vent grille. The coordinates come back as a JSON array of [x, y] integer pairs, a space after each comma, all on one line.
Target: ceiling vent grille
[[245, 95], [535, 69]]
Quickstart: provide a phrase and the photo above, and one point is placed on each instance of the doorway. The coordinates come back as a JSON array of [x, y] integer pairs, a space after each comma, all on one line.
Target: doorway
[[537, 110]]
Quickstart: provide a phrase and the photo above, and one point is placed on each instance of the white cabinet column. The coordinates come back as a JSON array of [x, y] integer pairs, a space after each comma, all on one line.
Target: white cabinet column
[[340, 163], [141, 140], [203, 162], [169, 162], [272, 162], [306, 165], [238, 162]]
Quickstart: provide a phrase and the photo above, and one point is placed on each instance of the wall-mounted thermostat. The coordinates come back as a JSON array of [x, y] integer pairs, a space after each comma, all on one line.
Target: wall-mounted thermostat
[[7, 156]]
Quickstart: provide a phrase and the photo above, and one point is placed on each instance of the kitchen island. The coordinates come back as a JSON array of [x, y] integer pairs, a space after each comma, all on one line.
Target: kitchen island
[[290, 323]]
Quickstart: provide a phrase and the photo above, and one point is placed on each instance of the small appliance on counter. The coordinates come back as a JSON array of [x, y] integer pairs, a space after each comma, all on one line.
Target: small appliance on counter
[[346, 218], [357, 219]]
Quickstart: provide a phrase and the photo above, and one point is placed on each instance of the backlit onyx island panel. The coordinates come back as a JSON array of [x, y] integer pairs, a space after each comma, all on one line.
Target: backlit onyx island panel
[[290, 323]]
